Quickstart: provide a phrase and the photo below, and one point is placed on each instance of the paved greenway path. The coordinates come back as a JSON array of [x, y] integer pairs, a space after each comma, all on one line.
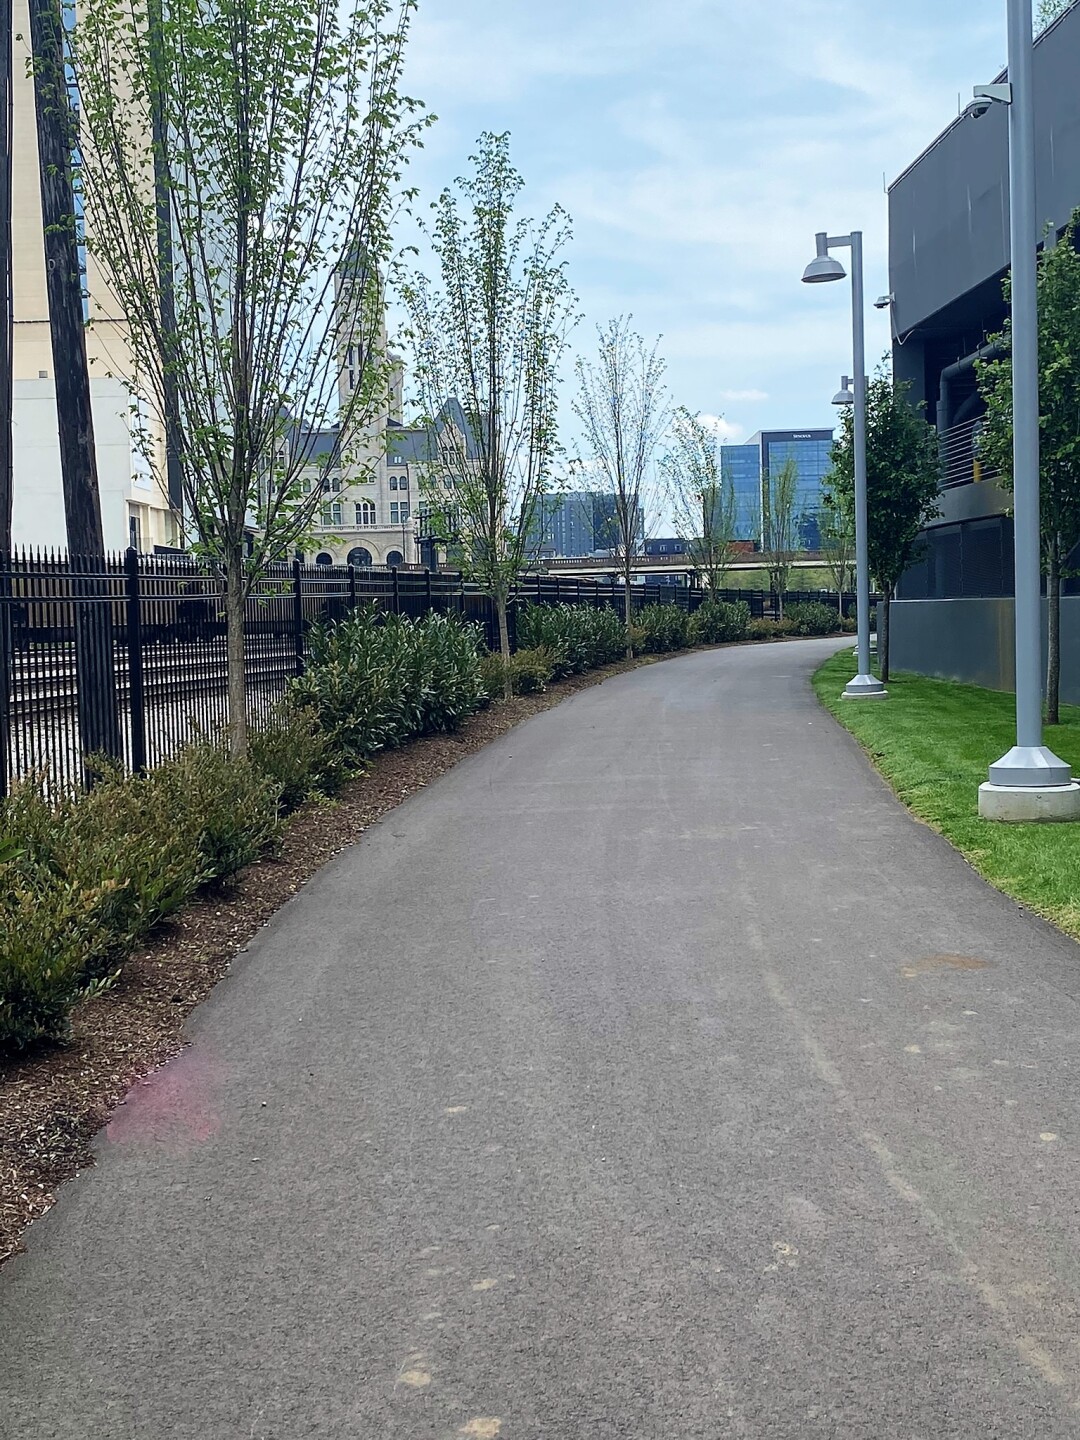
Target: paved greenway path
[[617, 1085]]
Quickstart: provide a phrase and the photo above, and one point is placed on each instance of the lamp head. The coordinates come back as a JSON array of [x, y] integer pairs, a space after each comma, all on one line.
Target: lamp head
[[845, 395], [823, 267]]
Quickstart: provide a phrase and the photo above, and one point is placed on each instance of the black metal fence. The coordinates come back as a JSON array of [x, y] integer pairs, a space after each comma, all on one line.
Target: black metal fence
[[128, 658]]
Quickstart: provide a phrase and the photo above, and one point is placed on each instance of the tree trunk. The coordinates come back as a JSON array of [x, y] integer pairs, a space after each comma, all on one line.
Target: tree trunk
[[883, 638], [234, 653], [628, 610], [1053, 648], [504, 645]]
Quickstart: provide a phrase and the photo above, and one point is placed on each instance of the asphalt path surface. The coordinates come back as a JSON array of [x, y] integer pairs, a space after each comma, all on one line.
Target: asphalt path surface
[[651, 1074]]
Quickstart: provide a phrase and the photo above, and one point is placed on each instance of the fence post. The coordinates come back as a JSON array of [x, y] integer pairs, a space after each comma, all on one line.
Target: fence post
[[352, 588], [7, 665], [427, 589], [298, 615], [396, 601], [136, 684]]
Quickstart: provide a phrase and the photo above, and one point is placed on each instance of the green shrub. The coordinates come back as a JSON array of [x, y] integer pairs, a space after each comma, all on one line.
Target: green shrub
[[86, 877], [666, 628], [849, 625], [578, 637], [43, 937], [530, 672], [717, 621], [122, 848], [375, 681], [296, 753], [812, 618], [768, 629], [228, 808]]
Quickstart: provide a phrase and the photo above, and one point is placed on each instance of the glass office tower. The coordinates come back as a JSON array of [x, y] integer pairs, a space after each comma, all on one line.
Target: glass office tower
[[740, 466], [810, 449]]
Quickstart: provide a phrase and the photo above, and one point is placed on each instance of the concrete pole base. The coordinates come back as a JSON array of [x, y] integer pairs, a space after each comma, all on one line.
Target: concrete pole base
[[864, 687], [1020, 804]]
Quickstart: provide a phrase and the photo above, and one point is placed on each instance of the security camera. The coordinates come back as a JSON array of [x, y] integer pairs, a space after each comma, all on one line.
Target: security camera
[[883, 302], [986, 96]]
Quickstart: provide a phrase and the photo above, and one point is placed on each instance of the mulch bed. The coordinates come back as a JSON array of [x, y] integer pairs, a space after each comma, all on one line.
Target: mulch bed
[[54, 1102]]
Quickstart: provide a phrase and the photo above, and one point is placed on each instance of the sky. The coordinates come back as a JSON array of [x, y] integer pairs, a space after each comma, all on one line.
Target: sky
[[698, 145]]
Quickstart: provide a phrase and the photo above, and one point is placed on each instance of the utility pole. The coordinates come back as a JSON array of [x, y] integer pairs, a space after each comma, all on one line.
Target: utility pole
[[57, 139]]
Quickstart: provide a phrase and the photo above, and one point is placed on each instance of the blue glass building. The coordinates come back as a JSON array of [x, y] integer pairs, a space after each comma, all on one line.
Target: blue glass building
[[751, 467], [810, 449], [740, 466]]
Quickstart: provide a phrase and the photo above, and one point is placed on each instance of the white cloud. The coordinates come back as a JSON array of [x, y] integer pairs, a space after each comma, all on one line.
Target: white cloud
[[728, 432]]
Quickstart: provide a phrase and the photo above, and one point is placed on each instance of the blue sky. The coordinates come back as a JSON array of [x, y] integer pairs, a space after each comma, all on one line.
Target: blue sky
[[698, 145]]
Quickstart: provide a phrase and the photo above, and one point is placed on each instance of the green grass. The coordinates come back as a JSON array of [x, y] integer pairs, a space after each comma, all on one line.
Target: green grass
[[814, 578], [933, 741]]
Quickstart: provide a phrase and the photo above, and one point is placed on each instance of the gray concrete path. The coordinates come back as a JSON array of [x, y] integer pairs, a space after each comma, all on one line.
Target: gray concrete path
[[626, 1082]]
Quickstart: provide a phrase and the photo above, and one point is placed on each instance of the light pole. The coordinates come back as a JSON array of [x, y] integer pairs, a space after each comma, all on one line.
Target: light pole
[[1029, 782], [823, 268]]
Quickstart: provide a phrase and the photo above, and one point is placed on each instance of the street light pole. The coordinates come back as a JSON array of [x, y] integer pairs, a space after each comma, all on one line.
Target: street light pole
[[1029, 782], [823, 268]]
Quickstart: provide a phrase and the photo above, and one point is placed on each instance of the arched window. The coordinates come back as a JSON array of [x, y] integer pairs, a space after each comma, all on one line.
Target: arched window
[[323, 558], [365, 512], [360, 556], [394, 558], [393, 482]]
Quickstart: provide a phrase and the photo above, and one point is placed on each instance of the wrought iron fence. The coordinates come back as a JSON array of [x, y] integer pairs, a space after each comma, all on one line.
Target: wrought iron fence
[[127, 657]]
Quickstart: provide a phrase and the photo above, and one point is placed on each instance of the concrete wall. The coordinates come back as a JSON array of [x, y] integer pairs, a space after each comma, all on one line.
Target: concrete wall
[[972, 640]]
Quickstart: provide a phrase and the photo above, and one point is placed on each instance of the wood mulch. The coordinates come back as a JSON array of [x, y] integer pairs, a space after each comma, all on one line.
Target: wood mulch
[[53, 1102]]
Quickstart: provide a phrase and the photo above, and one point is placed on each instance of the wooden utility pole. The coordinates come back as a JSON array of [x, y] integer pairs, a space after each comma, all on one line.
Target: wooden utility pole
[[57, 137]]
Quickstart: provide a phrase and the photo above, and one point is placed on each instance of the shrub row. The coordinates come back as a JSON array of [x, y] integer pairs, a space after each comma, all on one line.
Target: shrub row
[[577, 637], [85, 878], [374, 680]]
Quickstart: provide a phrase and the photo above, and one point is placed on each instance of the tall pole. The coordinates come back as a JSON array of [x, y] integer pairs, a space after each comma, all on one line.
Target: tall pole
[[864, 683], [99, 729], [1029, 765]]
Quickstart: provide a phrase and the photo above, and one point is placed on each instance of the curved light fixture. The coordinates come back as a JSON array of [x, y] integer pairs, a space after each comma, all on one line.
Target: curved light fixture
[[845, 395], [824, 266]]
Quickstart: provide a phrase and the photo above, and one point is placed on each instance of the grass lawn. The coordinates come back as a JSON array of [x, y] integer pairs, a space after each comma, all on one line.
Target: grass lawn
[[813, 578], [933, 741]]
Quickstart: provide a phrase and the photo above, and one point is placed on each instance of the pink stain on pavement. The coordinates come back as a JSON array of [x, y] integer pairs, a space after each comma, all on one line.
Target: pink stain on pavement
[[175, 1106]]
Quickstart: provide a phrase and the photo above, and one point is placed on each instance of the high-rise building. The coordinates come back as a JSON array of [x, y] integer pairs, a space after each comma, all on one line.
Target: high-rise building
[[740, 467], [811, 451], [575, 523], [749, 469]]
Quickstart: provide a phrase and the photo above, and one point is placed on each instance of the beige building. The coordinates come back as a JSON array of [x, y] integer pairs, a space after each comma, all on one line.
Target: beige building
[[135, 507]]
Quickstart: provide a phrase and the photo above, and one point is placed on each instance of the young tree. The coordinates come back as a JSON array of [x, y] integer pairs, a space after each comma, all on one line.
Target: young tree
[[622, 406], [490, 336], [780, 530], [1050, 10], [701, 499], [903, 476], [1059, 440], [259, 149], [837, 529]]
